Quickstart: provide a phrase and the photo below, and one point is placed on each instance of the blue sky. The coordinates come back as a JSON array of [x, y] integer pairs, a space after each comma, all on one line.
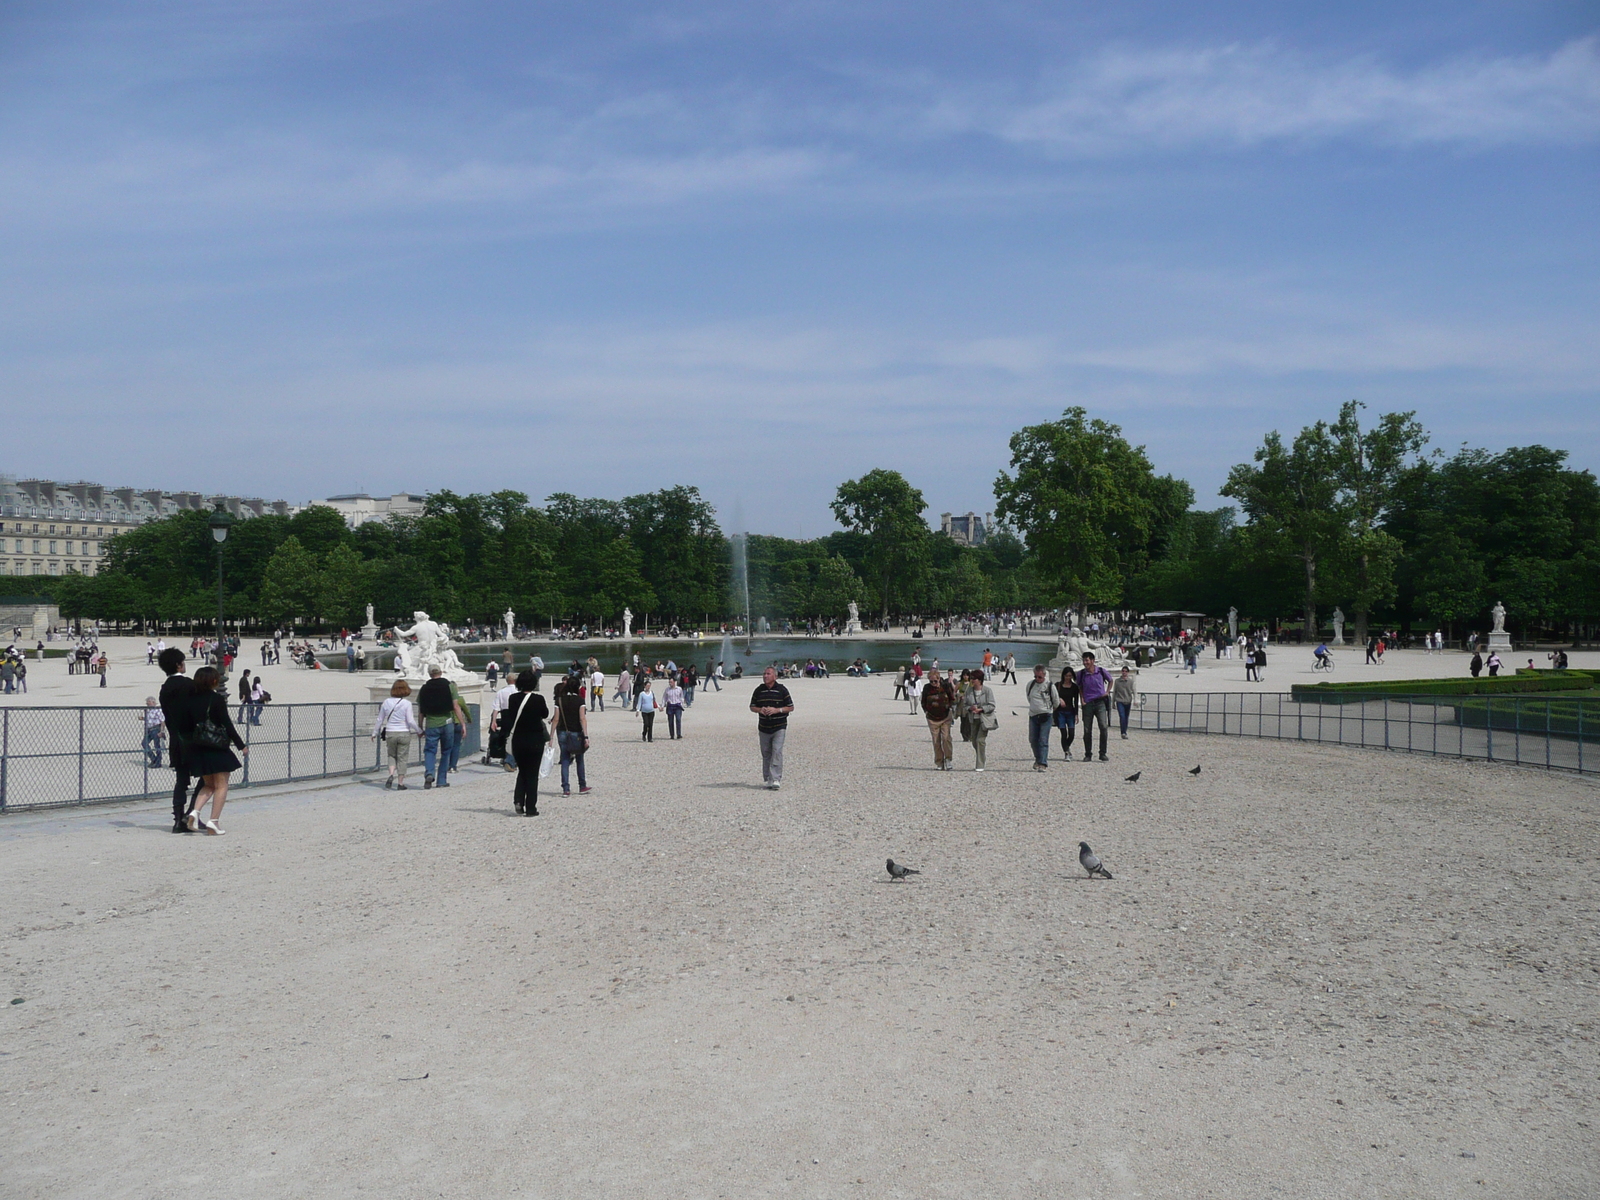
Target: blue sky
[[297, 249]]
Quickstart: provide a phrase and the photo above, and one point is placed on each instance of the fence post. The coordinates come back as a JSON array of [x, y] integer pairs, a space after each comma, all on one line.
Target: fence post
[[5, 754], [289, 740], [1386, 722], [80, 756], [244, 780], [1516, 730], [1547, 705], [1488, 723], [324, 739]]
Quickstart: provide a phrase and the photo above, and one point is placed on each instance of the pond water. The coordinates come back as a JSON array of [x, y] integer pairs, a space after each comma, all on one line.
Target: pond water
[[838, 653]]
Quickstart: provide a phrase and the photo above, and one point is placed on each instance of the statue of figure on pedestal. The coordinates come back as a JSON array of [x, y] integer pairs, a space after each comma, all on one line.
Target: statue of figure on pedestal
[[369, 614], [627, 622], [1233, 623], [1338, 626], [432, 649], [511, 623], [854, 625], [1499, 614]]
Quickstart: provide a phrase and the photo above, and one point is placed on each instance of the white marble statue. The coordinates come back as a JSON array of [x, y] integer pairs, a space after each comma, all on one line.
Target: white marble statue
[[1073, 643], [1233, 623], [1338, 626], [1499, 639], [627, 622], [369, 614], [511, 623], [431, 650], [854, 624]]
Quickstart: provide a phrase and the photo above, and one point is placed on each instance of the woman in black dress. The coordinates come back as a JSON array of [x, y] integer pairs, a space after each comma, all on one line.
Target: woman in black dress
[[527, 737], [207, 730]]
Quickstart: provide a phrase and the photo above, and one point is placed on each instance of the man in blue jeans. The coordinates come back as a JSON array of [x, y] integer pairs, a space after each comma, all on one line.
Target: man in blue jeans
[[443, 723], [1094, 692], [1041, 695]]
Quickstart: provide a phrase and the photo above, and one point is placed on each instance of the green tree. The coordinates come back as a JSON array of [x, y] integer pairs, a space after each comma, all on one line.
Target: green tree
[[1086, 502], [835, 587], [1290, 497], [291, 585], [619, 581], [1451, 583], [1368, 465], [886, 509], [318, 529], [342, 595]]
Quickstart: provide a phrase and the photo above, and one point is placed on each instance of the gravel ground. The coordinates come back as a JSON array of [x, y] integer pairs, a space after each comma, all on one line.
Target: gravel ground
[[1318, 972]]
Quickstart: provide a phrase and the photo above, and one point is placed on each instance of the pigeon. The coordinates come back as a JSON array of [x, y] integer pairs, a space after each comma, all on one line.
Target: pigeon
[[896, 871], [1134, 778], [1196, 770], [1091, 861]]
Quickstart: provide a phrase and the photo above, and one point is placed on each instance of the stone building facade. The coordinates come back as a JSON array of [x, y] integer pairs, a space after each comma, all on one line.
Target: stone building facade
[[50, 527]]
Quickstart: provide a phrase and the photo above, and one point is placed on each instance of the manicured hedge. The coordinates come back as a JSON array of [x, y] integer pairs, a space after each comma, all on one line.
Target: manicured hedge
[[1566, 716], [1523, 684]]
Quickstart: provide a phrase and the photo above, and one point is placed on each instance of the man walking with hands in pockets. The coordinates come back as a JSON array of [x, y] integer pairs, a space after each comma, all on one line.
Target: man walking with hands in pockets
[[1094, 688], [772, 703]]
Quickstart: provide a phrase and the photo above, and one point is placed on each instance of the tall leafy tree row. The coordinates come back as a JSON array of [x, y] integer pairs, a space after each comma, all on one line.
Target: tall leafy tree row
[[464, 557], [1350, 511]]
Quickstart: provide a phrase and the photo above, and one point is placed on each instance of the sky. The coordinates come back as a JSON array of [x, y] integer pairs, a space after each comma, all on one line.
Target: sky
[[297, 249]]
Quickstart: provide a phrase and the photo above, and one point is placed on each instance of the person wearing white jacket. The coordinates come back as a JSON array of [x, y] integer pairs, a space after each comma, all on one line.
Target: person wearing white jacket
[[397, 725]]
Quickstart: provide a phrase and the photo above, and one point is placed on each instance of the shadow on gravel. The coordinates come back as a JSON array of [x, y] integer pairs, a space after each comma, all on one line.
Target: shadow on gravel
[[140, 825], [756, 787]]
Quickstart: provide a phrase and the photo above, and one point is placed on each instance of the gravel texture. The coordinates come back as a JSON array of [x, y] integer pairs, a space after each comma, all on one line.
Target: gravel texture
[[1318, 972]]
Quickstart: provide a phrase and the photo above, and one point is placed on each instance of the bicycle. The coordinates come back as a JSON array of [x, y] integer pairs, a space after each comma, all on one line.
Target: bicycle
[[1322, 662]]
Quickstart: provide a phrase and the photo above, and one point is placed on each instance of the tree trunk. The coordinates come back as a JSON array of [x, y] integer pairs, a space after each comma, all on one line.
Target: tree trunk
[[1361, 608], [1311, 595]]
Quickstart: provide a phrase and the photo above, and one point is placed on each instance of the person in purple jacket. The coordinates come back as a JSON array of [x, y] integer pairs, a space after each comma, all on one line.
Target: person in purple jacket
[[1094, 693]]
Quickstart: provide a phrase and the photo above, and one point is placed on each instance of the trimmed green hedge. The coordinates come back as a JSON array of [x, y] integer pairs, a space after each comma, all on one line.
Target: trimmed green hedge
[[1566, 716], [1523, 684]]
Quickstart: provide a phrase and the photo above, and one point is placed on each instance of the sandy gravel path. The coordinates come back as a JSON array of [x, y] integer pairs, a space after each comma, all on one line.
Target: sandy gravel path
[[1319, 972]]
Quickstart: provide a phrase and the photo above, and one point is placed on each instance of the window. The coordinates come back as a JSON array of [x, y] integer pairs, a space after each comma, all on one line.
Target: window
[[68, 550], [99, 531], [36, 544], [55, 568], [38, 568], [17, 549], [52, 545]]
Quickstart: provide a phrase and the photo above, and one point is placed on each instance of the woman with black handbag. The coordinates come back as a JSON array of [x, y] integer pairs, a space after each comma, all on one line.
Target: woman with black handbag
[[207, 731], [525, 717]]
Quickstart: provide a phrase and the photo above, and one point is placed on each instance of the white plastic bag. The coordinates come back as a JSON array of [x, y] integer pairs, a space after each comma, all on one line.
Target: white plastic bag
[[549, 757]]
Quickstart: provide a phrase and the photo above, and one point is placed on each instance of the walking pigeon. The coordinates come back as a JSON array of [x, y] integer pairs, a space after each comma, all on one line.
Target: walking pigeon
[[896, 871], [1091, 861], [1134, 778], [1196, 770]]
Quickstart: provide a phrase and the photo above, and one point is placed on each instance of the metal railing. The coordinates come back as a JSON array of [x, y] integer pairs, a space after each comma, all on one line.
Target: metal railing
[[53, 757], [1532, 731]]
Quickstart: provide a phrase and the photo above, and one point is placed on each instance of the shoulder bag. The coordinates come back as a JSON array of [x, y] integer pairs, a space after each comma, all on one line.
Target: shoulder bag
[[209, 734]]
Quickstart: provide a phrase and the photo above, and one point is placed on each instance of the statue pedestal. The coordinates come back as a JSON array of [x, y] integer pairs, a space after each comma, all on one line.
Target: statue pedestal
[[369, 632], [852, 627], [1500, 640], [468, 683]]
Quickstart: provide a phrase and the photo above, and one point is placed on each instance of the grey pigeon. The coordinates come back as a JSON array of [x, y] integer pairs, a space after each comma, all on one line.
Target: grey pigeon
[[1134, 778], [896, 871], [1196, 770], [1091, 861]]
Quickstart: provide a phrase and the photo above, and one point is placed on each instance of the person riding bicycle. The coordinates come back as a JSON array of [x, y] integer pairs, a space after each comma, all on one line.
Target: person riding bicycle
[[1320, 656]]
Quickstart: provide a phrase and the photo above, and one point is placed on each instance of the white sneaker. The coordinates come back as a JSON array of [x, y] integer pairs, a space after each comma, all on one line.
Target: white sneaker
[[774, 785]]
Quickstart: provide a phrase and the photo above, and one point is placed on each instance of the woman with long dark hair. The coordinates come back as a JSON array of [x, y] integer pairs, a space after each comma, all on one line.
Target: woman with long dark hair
[[207, 731], [524, 719]]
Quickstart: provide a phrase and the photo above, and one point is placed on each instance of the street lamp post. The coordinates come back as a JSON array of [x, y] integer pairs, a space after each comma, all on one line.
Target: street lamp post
[[220, 521]]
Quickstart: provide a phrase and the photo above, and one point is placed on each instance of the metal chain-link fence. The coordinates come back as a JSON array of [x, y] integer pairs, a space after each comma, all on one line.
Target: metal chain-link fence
[[51, 757], [1531, 731]]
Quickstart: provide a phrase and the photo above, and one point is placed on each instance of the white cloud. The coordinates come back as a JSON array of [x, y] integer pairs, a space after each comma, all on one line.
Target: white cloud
[[1241, 96]]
